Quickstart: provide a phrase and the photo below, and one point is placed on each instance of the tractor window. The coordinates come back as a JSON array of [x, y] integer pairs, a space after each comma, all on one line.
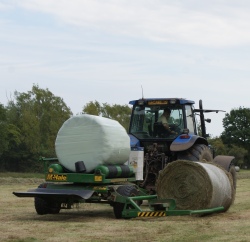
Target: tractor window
[[144, 119], [141, 122], [176, 118], [190, 119]]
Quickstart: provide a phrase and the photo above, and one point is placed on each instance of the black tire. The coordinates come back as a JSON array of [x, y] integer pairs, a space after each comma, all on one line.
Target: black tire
[[197, 152], [41, 206], [44, 206], [54, 208], [125, 191]]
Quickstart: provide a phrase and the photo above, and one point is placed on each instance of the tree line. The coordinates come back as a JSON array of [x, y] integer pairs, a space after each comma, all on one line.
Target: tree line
[[29, 124]]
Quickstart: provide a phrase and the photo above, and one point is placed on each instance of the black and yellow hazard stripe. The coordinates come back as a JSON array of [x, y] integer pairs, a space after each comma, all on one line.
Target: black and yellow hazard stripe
[[151, 214]]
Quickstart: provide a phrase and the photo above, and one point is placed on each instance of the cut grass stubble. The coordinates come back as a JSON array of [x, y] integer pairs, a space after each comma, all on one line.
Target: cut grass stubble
[[96, 222]]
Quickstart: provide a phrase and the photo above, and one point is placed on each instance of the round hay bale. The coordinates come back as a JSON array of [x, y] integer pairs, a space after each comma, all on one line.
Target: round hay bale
[[92, 139], [196, 185]]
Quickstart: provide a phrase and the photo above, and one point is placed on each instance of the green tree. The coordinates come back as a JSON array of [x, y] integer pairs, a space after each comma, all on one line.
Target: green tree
[[10, 137], [93, 108], [221, 149], [38, 115], [239, 154], [237, 129], [120, 113], [217, 145], [3, 132]]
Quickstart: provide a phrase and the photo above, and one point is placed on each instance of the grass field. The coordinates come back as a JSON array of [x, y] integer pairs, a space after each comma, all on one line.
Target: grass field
[[96, 222]]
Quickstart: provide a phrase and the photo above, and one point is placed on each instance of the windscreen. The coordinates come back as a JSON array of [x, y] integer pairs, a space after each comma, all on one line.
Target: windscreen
[[145, 121]]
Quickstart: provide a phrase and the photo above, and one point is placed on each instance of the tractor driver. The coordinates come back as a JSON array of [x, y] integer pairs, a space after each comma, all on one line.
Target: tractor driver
[[164, 120]]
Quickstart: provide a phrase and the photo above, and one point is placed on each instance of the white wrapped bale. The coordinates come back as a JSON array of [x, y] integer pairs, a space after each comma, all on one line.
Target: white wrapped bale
[[92, 139]]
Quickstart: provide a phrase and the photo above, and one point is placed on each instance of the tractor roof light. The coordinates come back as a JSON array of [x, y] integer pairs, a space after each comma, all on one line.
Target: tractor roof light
[[172, 101], [141, 102]]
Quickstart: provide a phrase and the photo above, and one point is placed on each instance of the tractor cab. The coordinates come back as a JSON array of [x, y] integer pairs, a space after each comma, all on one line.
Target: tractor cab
[[145, 125]]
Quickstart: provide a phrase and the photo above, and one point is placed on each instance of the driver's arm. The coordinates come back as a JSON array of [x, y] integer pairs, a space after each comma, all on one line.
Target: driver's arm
[[166, 126]]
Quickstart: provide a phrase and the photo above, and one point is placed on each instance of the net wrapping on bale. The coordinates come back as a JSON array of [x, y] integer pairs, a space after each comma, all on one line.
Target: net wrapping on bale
[[196, 185]]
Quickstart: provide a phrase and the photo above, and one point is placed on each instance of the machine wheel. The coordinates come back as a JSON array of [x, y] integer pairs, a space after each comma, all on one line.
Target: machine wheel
[[125, 191], [45, 207], [41, 206], [197, 152]]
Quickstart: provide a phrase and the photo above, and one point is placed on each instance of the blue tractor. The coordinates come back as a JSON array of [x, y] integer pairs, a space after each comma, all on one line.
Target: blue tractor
[[185, 139]]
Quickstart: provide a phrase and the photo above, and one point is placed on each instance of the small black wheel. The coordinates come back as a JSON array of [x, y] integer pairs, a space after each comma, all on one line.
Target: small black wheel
[[44, 206], [118, 208], [125, 191], [41, 206]]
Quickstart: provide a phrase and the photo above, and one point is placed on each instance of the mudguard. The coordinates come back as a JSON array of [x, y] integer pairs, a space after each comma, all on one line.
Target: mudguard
[[224, 161], [184, 142], [55, 193]]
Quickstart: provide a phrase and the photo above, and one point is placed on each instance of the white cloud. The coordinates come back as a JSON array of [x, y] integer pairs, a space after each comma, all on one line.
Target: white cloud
[[210, 23], [4, 6], [105, 50]]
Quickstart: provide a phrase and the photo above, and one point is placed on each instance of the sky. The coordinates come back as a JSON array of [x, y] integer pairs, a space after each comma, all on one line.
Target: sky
[[114, 51]]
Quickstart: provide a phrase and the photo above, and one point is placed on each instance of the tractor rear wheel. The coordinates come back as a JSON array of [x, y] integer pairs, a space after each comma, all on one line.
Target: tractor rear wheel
[[197, 152], [125, 191]]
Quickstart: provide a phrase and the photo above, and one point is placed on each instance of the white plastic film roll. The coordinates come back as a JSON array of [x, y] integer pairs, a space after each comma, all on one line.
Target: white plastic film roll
[[92, 139]]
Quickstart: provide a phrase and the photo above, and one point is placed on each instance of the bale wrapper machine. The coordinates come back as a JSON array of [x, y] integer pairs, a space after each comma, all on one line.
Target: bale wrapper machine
[[114, 185]]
